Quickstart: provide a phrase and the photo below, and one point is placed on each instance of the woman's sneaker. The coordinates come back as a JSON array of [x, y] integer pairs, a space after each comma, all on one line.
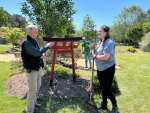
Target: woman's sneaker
[[102, 106], [114, 109]]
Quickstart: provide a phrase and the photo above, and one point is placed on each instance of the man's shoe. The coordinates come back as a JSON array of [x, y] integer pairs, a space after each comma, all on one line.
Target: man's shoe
[[90, 68], [38, 105], [114, 109], [102, 106], [86, 67]]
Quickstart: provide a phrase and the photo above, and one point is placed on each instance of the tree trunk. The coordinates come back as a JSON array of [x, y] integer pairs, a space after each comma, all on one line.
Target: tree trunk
[[13, 46], [135, 44]]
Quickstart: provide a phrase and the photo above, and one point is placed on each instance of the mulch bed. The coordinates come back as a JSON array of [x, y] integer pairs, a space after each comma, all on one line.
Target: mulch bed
[[16, 85], [124, 51]]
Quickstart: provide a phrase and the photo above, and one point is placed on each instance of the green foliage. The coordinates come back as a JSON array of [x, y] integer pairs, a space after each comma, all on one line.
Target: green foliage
[[14, 20], [3, 17], [87, 28], [12, 34], [145, 44], [127, 17], [50, 15], [60, 71], [146, 27], [148, 14], [46, 70], [117, 32], [135, 33], [17, 21], [131, 49], [70, 28]]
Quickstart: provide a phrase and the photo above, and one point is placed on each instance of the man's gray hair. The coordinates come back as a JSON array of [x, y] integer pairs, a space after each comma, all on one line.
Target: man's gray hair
[[30, 28]]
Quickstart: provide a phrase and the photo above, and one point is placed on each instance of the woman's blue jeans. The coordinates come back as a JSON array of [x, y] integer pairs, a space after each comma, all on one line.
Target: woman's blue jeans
[[87, 54]]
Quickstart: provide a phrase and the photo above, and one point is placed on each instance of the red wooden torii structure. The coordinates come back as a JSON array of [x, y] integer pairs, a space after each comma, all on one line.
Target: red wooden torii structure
[[62, 50]]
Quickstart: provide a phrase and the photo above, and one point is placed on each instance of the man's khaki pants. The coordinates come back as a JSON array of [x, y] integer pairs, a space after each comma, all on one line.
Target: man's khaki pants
[[34, 83]]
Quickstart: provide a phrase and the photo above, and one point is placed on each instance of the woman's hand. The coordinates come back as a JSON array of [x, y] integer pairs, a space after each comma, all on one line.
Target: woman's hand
[[93, 46]]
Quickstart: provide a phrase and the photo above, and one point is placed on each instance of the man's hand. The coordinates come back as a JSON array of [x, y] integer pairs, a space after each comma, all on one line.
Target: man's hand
[[42, 57], [50, 44]]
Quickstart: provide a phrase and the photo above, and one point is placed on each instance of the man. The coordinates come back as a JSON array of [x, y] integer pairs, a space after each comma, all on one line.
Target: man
[[87, 53], [32, 57]]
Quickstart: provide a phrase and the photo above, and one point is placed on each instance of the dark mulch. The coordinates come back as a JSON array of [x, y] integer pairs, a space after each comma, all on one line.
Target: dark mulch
[[16, 85], [124, 51], [65, 88]]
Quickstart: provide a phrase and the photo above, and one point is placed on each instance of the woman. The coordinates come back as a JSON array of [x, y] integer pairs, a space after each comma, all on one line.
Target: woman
[[105, 62]]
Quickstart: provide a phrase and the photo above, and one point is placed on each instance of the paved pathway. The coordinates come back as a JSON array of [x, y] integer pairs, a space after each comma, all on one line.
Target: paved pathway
[[10, 57], [7, 57]]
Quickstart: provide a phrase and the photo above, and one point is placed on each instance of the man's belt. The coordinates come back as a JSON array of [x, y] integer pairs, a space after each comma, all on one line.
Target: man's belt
[[28, 70]]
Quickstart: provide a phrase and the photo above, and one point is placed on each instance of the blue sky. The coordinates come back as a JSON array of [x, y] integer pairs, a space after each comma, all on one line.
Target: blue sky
[[101, 11]]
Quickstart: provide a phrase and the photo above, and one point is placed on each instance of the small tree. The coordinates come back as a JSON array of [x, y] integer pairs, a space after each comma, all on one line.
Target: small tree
[[12, 34], [87, 28], [50, 15], [3, 17], [135, 32]]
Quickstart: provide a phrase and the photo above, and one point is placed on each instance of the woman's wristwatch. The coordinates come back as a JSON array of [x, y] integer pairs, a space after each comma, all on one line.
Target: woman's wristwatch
[[95, 56]]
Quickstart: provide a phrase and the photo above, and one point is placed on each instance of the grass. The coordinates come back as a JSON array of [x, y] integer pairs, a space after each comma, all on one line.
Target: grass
[[133, 81], [8, 103], [4, 47]]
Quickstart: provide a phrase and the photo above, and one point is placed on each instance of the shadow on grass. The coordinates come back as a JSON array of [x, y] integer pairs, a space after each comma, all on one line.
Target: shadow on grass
[[53, 100], [77, 105]]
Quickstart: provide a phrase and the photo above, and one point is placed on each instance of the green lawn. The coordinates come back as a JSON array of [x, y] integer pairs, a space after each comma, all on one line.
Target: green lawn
[[9, 104], [133, 81], [4, 47]]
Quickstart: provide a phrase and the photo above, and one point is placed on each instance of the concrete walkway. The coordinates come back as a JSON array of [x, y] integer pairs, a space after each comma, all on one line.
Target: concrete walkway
[[7, 57]]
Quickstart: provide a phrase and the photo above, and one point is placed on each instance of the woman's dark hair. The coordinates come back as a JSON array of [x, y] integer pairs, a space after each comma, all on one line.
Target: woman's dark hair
[[106, 29]]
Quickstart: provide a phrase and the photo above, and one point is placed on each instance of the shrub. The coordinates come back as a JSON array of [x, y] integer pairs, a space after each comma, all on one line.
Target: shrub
[[97, 87], [46, 70], [145, 44], [131, 49], [60, 71]]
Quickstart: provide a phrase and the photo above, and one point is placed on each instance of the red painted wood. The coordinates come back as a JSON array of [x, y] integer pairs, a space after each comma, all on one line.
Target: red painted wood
[[53, 64], [72, 53], [64, 41], [64, 47], [63, 51]]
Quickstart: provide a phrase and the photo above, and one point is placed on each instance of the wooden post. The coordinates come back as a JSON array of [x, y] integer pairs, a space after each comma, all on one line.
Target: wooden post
[[62, 50], [53, 64], [73, 66], [93, 62]]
